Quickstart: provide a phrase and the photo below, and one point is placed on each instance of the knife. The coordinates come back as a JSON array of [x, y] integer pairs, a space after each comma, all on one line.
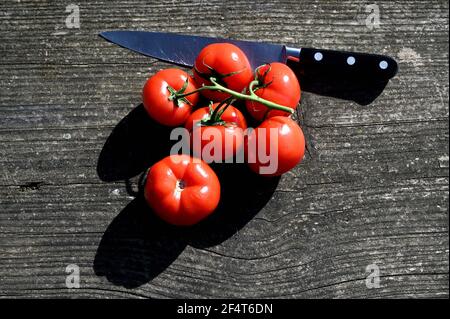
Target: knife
[[348, 75]]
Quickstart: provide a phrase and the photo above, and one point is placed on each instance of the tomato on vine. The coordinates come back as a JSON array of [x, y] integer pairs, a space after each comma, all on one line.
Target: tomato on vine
[[275, 146], [160, 99], [227, 64], [276, 83]]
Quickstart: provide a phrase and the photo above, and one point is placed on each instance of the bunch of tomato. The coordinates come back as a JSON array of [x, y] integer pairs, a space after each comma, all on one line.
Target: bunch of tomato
[[183, 189]]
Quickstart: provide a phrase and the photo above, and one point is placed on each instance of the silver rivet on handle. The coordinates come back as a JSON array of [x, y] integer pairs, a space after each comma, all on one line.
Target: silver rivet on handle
[[383, 65], [318, 56], [351, 60]]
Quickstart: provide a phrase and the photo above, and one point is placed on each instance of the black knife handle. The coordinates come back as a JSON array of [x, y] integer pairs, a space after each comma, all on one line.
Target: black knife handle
[[349, 65]]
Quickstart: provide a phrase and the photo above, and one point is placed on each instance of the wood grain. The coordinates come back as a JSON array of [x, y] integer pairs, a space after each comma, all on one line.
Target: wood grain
[[373, 187]]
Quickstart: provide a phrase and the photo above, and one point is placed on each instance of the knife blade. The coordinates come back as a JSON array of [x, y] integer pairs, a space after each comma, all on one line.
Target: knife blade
[[183, 49], [315, 68]]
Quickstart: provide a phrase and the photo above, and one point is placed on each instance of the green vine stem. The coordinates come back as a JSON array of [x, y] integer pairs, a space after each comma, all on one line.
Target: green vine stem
[[249, 97]]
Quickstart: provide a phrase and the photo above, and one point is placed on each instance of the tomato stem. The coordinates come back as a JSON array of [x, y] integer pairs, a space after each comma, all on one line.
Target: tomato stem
[[175, 95], [221, 107], [250, 87], [249, 97], [252, 97], [229, 101]]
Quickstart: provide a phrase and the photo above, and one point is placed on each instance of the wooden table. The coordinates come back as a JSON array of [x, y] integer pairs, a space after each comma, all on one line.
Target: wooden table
[[371, 196]]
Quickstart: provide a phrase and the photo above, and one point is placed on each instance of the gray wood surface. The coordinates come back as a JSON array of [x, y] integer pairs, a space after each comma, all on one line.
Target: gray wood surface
[[373, 187]]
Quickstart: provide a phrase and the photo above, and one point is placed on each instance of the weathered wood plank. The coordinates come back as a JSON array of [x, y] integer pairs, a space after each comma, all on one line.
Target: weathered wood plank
[[373, 187]]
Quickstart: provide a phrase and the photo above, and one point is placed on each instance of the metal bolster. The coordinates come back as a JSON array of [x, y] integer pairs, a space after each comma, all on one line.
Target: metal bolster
[[293, 52]]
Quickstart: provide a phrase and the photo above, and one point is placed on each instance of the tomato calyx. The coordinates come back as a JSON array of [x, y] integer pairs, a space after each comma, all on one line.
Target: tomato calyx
[[175, 95], [261, 78], [215, 74], [214, 117]]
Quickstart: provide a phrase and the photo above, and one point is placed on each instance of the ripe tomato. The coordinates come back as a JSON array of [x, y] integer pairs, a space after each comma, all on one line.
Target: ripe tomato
[[275, 146], [156, 95], [227, 63], [282, 88], [217, 142], [182, 191]]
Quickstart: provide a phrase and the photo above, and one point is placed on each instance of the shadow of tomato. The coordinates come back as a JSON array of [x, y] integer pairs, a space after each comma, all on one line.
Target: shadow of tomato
[[137, 246]]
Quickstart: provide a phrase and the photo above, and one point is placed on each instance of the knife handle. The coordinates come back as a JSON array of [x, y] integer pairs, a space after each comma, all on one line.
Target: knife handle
[[349, 65]]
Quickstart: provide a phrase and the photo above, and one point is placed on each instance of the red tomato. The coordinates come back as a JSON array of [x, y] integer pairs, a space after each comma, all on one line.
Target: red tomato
[[282, 88], [231, 115], [275, 147], [156, 95], [228, 64], [182, 191]]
